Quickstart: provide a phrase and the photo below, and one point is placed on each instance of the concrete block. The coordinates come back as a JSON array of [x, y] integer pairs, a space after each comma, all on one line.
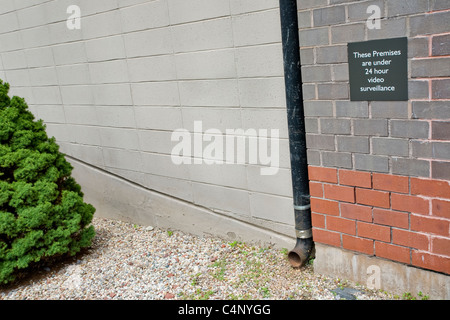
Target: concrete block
[[112, 94], [77, 95], [405, 7], [122, 159], [246, 6], [430, 110], [429, 67], [316, 73], [73, 74], [157, 68], [39, 57], [340, 72], [390, 28], [320, 142], [43, 76], [120, 138], [418, 89], [147, 15], [80, 115], [98, 6], [440, 89], [107, 48], [217, 118], [116, 116], [265, 119], [390, 146], [51, 113], [259, 61], [307, 4], [313, 157], [318, 108], [368, 162], [440, 170], [352, 144], [418, 47], [314, 37], [11, 41], [312, 125], [101, 25], [270, 207], [389, 110], [278, 184], [158, 118], [440, 130], [172, 187], [410, 167], [155, 94], [46, 95], [36, 37], [257, 28], [352, 109], [215, 64], [160, 164], [203, 35], [148, 43], [409, 129], [335, 126], [82, 134], [69, 53], [59, 33], [188, 11], [348, 33], [370, 127], [14, 60], [225, 175], [304, 19], [358, 11], [329, 16], [209, 93], [440, 45], [429, 23], [333, 91], [309, 91], [7, 6], [18, 78], [89, 154], [108, 72], [155, 141], [337, 159], [262, 92], [307, 56]]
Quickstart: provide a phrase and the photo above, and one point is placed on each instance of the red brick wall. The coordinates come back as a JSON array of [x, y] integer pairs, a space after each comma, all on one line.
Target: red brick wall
[[396, 217]]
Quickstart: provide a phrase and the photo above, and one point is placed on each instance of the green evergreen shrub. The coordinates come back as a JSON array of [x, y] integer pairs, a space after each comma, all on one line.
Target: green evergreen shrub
[[42, 213]]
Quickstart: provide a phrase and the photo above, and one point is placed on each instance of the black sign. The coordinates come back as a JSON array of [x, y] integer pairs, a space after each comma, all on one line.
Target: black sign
[[378, 70]]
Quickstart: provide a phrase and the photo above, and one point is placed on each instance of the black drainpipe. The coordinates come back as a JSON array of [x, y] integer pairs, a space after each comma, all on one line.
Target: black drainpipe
[[304, 247]]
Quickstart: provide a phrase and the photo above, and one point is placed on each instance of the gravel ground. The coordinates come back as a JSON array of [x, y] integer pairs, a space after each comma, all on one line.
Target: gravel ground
[[137, 262]]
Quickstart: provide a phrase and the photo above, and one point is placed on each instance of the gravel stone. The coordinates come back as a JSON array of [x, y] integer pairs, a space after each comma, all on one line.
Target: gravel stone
[[130, 262]]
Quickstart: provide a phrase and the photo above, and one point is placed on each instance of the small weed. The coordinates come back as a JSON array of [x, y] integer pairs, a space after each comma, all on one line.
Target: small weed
[[284, 251], [408, 296], [265, 292], [170, 233], [422, 296], [221, 265]]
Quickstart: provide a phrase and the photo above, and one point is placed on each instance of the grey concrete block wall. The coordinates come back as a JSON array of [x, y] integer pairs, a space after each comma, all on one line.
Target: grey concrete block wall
[[381, 136], [113, 91]]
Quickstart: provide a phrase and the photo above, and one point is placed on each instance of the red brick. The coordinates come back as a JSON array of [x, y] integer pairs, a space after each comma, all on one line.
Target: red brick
[[392, 252], [440, 208], [391, 218], [341, 193], [410, 239], [357, 212], [431, 188], [357, 244], [372, 198], [430, 225], [390, 182], [315, 189], [440, 246], [342, 225], [431, 261], [325, 206], [327, 237], [322, 174], [355, 178], [374, 231], [404, 202], [318, 220]]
